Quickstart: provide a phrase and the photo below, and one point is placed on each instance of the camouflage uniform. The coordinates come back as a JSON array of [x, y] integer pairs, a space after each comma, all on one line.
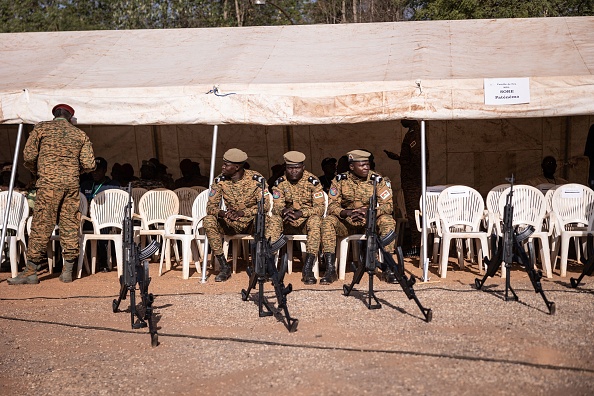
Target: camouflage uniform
[[349, 192], [307, 196], [57, 152], [243, 194]]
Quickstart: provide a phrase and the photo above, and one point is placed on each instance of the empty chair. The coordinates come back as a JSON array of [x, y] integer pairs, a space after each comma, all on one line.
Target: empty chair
[[154, 208], [432, 221], [186, 238], [573, 209], [529, 209], [186, 196], [16, 224], [107, 211], [460, 210], [137, 193], [492, 203]]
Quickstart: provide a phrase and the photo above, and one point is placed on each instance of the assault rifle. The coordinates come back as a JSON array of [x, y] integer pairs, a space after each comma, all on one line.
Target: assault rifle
[[368, 261], [263, 267], [136, 271], [588, 265], [509, 249]]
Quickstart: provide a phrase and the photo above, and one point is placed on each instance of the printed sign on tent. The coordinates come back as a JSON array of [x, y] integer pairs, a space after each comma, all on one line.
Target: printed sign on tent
[[506, 91]]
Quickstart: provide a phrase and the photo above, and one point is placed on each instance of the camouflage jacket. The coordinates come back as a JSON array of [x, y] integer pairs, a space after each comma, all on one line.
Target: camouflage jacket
[[243, 194], [350, 192], [58, 152], [307, 195]]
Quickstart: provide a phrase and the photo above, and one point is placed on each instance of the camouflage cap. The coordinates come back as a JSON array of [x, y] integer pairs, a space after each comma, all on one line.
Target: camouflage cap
[[294, 157], [235, 156], [358, 155]]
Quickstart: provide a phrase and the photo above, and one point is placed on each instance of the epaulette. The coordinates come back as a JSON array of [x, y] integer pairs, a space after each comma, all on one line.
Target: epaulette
[[376, 176], [220, 178], [341, 176], [313, 180], [279, 181]]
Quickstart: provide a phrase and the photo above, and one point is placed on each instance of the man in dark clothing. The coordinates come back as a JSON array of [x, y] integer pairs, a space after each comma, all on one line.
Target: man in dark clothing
[[99, 182], [410, 178], [329, 168]]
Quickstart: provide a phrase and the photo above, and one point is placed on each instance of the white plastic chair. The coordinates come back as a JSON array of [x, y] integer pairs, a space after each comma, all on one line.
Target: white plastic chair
[[107, 211], [137, 193], [460, 210], [186, 196], [199, 188], [529, 210], [154, 209], [492, 203], [573, 211], [17, 219], [186, 239], [302, 238], [432, 221]]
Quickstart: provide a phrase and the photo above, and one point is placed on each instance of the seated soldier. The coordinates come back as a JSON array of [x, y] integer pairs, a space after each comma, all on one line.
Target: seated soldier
[[298, 208], [347, 210], [241, 191]]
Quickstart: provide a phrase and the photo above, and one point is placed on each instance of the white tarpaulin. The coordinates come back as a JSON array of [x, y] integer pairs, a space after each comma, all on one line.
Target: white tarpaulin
[[313, 74]]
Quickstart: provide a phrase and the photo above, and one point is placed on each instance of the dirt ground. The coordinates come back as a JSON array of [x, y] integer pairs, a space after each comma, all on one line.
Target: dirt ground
[[64, 339]]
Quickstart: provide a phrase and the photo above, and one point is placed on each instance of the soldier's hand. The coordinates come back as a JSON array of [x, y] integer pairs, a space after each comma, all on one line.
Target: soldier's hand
[[294, 215], [392, 155]]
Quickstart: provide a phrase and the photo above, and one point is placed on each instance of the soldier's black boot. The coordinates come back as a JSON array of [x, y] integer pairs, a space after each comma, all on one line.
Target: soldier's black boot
[[225, 269], [330, 275], [27, 277], [66, 275], [308, 275]]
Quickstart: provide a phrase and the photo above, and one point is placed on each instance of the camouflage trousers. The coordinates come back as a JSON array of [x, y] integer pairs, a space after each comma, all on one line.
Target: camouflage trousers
[[55, 206], [333, 227], [311, 227], [216, 227]]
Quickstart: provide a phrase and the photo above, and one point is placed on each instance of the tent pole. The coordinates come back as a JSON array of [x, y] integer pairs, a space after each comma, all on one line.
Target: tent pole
[[213, 157], [15, 160], [424, 202]]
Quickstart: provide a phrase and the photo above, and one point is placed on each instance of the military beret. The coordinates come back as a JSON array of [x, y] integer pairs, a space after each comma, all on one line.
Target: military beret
[[294, 157], [63, 106], [358, 155], [235, 156]]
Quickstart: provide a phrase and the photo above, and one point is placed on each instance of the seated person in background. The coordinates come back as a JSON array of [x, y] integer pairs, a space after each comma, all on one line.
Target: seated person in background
[[191, 175], [148, 177], [127, 175], [298, 208], [549, 166], [241, 191], [329, 168], [277, 171], [347, 210], [116, 173], [99, 182], [6, 172]]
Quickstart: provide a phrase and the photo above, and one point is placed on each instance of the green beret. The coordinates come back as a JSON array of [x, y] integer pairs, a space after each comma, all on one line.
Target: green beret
[[294, 158], [235, 155], [358, 155]]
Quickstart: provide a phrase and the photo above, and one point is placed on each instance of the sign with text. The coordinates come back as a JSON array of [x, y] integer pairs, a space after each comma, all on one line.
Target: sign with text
[[506, 91]]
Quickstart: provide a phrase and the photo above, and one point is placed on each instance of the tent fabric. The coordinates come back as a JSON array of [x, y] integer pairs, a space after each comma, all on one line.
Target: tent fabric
[[311, 74]]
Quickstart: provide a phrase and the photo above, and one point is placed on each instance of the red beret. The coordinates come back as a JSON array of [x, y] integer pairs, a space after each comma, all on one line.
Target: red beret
[[63, 106]]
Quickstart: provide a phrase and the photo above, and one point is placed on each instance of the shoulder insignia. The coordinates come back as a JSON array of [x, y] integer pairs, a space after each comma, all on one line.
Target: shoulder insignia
[[341, 176], [258, 177], [313, 180], [279, 181], [220, 178]]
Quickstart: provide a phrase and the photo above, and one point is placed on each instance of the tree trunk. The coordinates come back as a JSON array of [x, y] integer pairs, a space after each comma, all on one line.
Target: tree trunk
[[343, 9], [238, 13], [355, 11]]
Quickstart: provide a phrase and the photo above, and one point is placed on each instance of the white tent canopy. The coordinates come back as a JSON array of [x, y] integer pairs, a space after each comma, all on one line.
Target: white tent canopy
[[314, 74]]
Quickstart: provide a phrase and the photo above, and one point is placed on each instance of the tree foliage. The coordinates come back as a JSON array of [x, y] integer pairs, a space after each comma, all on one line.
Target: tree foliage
[[56, 15]]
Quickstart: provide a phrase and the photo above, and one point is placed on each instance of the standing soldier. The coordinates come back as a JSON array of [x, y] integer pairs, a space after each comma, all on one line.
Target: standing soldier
[[298, 208], [56, 152], [241, 191], [410, 178], [347, 209]]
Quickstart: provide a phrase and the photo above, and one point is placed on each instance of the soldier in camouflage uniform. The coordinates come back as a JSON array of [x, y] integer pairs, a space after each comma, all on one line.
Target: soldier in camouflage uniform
[[410, 178], [347, 210], [57, 152], [298, 209], [241, 191]]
